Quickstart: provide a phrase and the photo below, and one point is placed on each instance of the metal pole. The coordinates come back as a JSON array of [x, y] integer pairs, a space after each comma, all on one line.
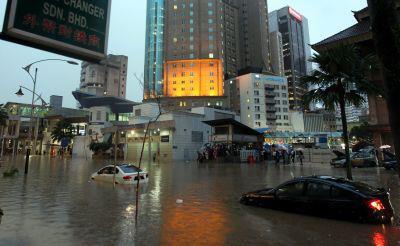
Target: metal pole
[[35, 135], [116, 139], [28, 151]]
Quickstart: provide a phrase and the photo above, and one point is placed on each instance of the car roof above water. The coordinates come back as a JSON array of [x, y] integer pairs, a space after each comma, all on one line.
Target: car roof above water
[[359, 187]]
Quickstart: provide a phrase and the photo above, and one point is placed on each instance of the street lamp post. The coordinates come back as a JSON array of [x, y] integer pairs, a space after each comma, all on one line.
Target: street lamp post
[[19, 93]]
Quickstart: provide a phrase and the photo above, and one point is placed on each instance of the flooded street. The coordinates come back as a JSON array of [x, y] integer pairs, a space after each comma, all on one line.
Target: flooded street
[[57, 204]]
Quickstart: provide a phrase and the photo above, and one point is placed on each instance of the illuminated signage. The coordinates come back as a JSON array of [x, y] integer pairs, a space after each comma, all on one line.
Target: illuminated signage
[[75, 28], [295, 14]]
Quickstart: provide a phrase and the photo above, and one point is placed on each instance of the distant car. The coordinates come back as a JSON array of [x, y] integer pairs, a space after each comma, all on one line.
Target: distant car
[[326, 196], [358, 159], [125, 174]]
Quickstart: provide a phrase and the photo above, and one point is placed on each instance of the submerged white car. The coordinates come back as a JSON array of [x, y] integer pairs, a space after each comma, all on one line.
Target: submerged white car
[[125, 174]]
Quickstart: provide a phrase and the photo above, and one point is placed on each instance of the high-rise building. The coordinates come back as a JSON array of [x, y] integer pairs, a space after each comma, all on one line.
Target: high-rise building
[[261, 100], [106, 78], [154, 53], [254, 34], [296, 50], [276, 48], [192, 46]]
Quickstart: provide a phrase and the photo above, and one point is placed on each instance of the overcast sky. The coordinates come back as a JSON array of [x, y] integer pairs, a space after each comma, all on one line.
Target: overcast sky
[[127, 36]]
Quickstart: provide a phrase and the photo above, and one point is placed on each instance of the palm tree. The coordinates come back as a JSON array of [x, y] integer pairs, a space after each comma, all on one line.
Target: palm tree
[[341, 80], [386, 34], [63, 129]]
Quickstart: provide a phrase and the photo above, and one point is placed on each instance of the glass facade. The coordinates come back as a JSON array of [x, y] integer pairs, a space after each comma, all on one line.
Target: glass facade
[[296, 50], [154, 56]]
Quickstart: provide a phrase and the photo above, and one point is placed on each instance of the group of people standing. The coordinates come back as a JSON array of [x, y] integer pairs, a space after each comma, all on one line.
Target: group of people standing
[[288, 156]]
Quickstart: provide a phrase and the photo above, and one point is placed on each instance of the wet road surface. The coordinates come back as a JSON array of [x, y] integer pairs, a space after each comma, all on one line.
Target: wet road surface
[[57, 204]]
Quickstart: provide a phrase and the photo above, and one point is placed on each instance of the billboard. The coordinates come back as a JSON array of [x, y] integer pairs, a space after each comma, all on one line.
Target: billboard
[[295, 14], [75, 28]]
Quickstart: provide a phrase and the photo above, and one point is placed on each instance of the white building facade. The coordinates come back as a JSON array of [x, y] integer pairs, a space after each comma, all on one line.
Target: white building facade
[[261, 100], [105, 78], [175, 135]]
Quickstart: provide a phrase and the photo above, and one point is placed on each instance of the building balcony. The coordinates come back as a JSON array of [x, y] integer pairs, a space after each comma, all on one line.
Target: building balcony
[[270, 94], [269, 88], [270, 109], [270, 102]]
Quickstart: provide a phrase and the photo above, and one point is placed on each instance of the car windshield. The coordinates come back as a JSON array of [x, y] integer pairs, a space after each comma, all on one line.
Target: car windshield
[[129, 169]]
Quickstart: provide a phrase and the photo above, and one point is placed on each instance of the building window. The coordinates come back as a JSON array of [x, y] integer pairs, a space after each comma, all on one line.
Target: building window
[[98, 115], [211, 55], [256, 93], [258, 116], [285, 117], [257, 108], [256, 100]]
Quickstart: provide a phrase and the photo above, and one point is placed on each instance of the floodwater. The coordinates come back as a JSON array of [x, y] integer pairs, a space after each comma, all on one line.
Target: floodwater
[[57, 204]]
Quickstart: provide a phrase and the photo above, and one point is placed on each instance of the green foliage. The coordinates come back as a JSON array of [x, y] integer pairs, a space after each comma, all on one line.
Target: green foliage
[[342, 79], [342, 74], [63, 129], [96, 147], [362, 133], [10, 173]]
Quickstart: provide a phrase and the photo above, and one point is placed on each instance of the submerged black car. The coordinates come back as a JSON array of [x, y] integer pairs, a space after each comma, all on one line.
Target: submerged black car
[[326, 196]]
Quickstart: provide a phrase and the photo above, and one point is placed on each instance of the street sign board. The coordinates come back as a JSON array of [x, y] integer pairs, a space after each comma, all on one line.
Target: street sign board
[[75, 28]]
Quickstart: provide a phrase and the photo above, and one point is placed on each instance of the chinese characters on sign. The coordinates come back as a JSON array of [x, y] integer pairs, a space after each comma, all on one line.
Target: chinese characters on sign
[[70, 27]]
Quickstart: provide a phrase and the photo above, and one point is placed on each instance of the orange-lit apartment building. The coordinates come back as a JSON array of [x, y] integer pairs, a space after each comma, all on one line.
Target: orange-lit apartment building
[[193, 78], [193, 46]]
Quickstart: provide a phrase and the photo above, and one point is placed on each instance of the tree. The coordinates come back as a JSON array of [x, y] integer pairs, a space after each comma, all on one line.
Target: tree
[[385, 22], [341, 80], [63, 129]]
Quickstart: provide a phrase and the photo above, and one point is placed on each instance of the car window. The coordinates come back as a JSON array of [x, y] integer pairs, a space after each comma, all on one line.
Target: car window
[[111, 170], [342, 194], [103, 170], [130, 169], [292, 189], [265, 192], [318, 190], [108, 170]]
